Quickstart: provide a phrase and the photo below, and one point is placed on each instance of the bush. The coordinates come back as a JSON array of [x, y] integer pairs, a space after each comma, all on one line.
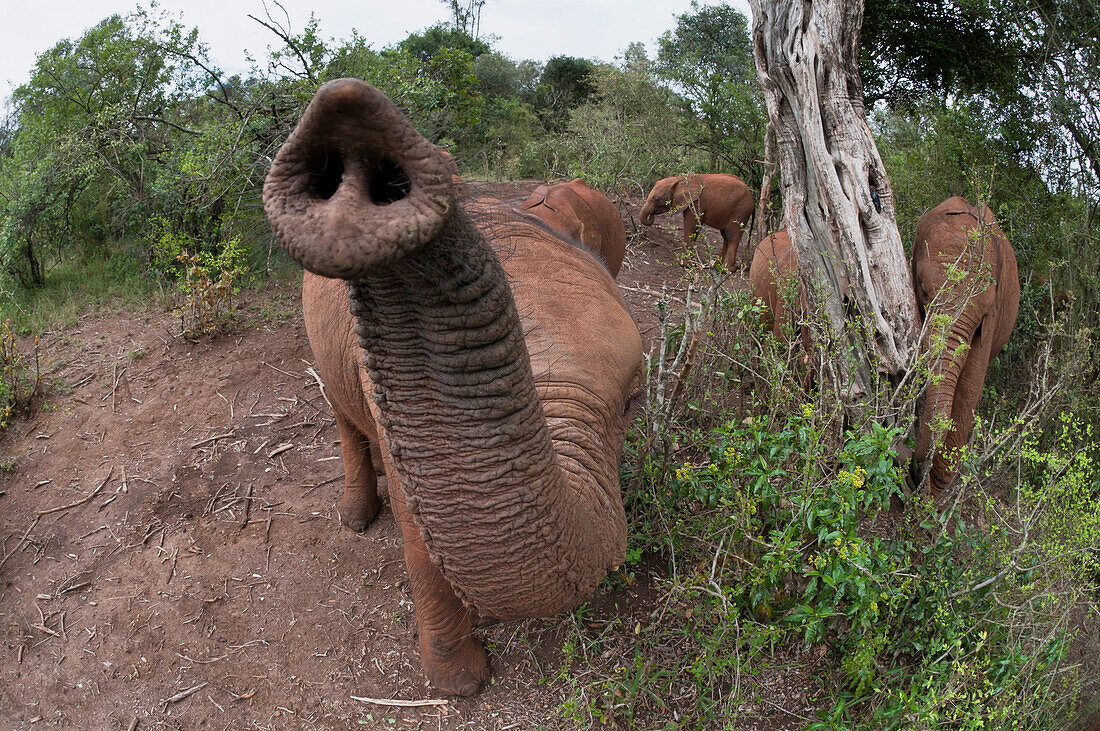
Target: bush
[[20, 381], [208, 283], [773, 519]]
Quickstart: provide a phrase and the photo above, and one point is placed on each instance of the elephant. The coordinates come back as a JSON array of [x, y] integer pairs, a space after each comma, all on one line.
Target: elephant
[[772, 262], [719, 201], [580, 212], [500, 433], [957, 237]]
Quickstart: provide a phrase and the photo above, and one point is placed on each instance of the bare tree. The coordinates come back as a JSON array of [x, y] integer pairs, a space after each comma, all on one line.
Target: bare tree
[[837, 201], [466, 15]]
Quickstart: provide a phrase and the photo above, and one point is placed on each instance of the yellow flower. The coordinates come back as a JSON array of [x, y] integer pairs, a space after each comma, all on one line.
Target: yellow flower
[[807, 411]]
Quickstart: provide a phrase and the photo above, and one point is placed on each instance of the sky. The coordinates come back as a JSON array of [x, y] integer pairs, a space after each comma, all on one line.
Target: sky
[[536, 30]]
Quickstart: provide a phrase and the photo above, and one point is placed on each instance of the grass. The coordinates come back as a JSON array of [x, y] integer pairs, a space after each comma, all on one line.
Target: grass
[[107, 285]]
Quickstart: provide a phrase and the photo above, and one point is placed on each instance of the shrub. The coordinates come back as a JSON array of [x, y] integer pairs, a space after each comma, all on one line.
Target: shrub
[[208, 283], [772, 516], [20, 381]]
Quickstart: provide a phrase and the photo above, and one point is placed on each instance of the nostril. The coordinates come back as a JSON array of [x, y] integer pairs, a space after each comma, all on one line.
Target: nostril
[[326, 171], [388, 182]]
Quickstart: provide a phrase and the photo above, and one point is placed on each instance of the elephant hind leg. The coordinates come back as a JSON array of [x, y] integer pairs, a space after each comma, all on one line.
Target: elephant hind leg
[[359, 503], [731, 243], [968, 391]]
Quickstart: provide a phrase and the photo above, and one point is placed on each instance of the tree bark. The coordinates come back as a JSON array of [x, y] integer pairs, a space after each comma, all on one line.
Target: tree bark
[[760, 218], [837, 200]]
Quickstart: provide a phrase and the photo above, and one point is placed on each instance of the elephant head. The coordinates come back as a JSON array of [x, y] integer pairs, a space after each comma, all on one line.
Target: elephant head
[[668, 194], [963, 267], [578, 211], [500, 434]]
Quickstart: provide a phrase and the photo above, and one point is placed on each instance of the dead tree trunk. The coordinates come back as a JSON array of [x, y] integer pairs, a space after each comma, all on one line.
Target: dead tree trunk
[[837, 201], [760, 218]]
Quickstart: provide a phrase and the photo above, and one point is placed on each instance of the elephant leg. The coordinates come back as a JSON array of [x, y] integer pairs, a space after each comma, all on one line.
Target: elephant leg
[[359, 503], [453, 659], [691, 226], [968, 391], [731, 242]]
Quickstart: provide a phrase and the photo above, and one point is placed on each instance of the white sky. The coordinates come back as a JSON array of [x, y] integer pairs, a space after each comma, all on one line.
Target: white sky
[[527, 29]]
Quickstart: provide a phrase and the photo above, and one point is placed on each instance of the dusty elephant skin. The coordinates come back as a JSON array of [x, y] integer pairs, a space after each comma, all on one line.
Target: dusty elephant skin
[[500, 435], [578, 211], [774, 262], [719, 201], [957, 234]]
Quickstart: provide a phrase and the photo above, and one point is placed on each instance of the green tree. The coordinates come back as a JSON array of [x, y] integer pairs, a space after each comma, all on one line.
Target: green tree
[[708, 59], [126, 125], [628, 133], [565, 83], [911, 48], [433, 43]]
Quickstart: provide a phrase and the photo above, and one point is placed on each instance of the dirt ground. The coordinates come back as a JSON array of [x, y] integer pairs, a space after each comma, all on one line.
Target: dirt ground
[[173, 557]]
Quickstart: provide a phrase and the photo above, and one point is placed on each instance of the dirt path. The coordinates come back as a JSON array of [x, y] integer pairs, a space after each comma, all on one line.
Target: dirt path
[[173, 554]]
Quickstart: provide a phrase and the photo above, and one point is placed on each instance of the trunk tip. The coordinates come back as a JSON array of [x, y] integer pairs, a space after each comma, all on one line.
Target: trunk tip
[[355, 186]]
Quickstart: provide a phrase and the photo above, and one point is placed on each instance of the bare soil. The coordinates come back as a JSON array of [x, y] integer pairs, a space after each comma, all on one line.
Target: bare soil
[[173, 556]]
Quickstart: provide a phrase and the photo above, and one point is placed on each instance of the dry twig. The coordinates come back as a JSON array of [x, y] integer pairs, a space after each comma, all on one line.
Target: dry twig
[[82, 500], [401, 703]]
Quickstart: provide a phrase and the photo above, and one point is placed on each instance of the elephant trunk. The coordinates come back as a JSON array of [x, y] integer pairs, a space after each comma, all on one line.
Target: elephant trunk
[[514, 533], [938, 403], [646, 216], [355, 186]]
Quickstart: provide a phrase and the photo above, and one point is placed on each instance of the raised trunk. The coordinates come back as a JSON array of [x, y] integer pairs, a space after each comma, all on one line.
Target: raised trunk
[[445, 352], [836, 197]]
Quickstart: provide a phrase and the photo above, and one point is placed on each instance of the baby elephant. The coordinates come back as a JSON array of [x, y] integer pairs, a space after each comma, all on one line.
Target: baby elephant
[[719, 201], [773, 265], [962, 266], [578, 211]]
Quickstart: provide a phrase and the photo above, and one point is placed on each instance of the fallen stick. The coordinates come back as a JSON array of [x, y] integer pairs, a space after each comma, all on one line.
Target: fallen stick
[[280, 370], [279, 450], [82, 500], [184, 694], [400, 703], [320, 385], [20, 544], [214, 438]]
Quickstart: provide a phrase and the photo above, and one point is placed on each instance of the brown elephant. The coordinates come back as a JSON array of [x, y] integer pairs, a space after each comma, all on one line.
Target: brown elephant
[[957, 237], [500, 433], [772, 263], [578, 211], [719, 201]]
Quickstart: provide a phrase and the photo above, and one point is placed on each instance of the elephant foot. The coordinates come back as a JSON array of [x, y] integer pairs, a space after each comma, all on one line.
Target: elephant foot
[[459, 673], [358, 510]]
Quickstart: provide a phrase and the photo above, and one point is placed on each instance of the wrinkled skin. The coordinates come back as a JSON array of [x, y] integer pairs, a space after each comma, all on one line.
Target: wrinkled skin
[[581, 213], [499, 434], [956, 234], [719, 201]]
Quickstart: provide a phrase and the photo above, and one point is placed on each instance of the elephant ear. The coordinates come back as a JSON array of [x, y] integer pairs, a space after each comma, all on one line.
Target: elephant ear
[[692, 189], [536, 198]]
